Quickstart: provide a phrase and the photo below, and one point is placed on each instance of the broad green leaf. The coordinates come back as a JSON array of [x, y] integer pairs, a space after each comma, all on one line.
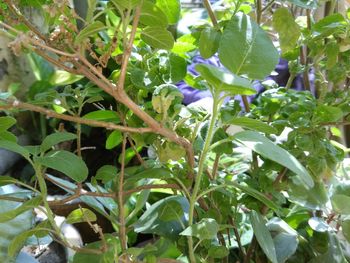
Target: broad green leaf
[[207, 228], [170, 211], [128, 4], [114, 139], [90, 11], [222, 80], [284, 238], [152, 15], [150, 222], [103, 115], [81, 215], [253, 124], [153, 173], [340, 204], [263, 236], [307, 4], [129, 154], [209, 42], [158, 37], [8, 136], [5, 180], [246, 49], [266, 148], [332, 52], [171, 8], [61, 78], [11, 214], [14, 147], [288, 30], [67, 163], [106, 173], [6, 123], [324, 113], [184, 44], [178, 68], [54, 139], [329, 25], [88, 31]]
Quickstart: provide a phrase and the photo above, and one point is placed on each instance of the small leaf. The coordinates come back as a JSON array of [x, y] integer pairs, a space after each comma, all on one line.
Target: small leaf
[[54, 139], [114, 139], [106, 173], [346, 229], [241, 48], [324, 113], [267, 149], [152, 15], [11, 214], [62, 78], [89, 30], [158, 37], [103, 115], [81, 215], [253, 124], [8, 136], [209, 42], [67, 163], [222, 80], [207, 228], [141, 201], [340, 204], [6, 123], [263, 236], [170, 211]]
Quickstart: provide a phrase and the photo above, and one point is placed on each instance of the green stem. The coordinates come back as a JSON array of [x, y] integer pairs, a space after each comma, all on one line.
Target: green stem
[[201, 165]]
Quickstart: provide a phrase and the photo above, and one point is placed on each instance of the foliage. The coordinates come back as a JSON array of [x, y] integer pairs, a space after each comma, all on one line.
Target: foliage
[[265, 182]]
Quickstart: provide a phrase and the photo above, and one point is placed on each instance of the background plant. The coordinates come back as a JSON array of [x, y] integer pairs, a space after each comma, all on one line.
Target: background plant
[[276, 191]]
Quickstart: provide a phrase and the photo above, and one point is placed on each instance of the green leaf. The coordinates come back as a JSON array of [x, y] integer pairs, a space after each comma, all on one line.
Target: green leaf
[[67, 163], [253, 124], [11, 214], [62, 78], [241, 47], [222, 80], [324, 113], [128, 4], [6, 123], [257, 195], [285, 238], [266, 148], [150, 222], [171, 8], [207, 228], [288, 30], [103, 115], [106, 173], [153, 173], [8, 136], [170, 211], [19, 240], [345, 224], [158, 37], [209, 42], [340, 204], [81, 215], [54, 139], [92, 4], [14, 147], [114, 139], [218, 252], [152, 15], [178, 68], [88, 31], [263, 236], [141, 201]]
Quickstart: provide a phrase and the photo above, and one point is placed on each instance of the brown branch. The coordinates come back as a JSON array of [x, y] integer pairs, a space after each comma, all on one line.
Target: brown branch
[[210, 11], [53, 114], [128, 49], [151, 186]]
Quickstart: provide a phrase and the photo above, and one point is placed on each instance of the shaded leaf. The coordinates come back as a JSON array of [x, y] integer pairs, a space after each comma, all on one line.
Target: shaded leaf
[[253, 124], [207, 228], [14, 147], [89, 30], [106, 173], [54, 139], [67, 163], [6, 123], [81, 215], [114, 139], [209, 42], [103, 115], [158, 37]]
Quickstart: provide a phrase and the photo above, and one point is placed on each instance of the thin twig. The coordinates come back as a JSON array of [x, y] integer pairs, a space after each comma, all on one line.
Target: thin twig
[[210, 11], [152, 186], [108, 125]]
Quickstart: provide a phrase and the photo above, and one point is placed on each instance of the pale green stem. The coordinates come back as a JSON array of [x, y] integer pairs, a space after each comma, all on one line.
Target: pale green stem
[[201, 164]]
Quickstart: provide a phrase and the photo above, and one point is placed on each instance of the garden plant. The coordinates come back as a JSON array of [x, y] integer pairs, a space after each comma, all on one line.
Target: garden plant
[[248, 176]]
